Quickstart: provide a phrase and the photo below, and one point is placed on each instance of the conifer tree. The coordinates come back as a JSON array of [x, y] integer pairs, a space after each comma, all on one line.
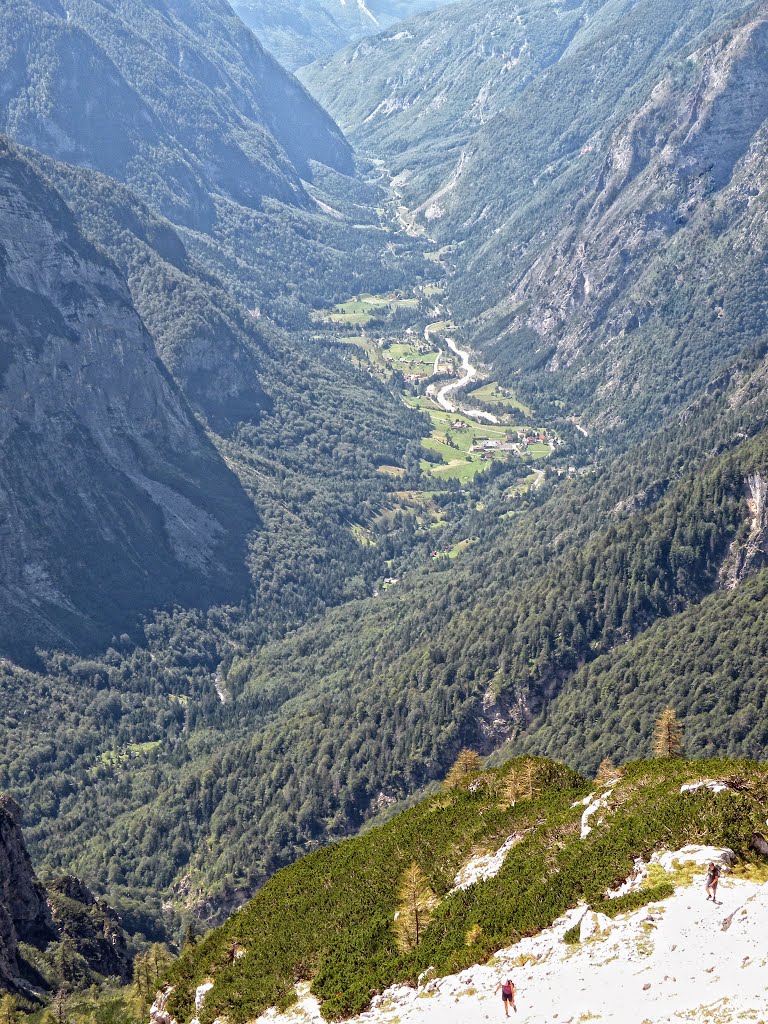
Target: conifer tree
[[416, 900], [57, 1011], [468, 763], [8, 1012], [520, 784], [607, 772], [668, 735]]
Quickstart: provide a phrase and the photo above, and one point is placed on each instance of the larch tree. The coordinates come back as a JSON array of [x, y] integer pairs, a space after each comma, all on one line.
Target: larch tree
[[668, 735], [8, 1012], [468, 763], [520, 784], [416, 900], [607, 772]]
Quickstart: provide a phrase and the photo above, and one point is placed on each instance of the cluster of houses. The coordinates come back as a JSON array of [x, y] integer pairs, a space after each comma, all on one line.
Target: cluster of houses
[[517, 442]]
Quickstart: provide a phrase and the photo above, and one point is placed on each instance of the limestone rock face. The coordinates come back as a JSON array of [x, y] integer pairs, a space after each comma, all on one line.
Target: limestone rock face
[[678, 184], [112, 499], [749, 555], [24, 913]]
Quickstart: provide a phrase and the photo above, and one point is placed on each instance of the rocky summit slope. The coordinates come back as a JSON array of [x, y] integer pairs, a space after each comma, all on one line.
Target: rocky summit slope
[[676, 960], [103, 468], [589, 895], [181, 102]]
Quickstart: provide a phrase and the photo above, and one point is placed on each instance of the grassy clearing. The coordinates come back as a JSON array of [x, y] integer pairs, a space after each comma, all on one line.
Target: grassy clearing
[[115, 758], [393, 471], [441, 327], [363, 537], [539, 450], [455, 551], [361, 309], [462, 471], [494, 394]]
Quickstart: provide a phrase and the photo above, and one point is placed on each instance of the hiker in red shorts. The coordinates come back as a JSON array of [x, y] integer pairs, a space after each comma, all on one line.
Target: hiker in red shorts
[[507, 995]]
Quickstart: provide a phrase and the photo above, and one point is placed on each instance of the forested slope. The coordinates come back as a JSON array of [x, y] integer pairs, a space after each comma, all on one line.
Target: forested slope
[[362, 708], [600, 170]]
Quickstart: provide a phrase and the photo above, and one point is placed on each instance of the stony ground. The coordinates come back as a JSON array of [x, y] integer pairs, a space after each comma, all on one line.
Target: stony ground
[[681, 960]]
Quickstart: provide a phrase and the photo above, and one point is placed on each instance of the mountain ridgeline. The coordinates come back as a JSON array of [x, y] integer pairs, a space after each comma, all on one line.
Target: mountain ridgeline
[[186, 109], [169, 436], [301, 31]]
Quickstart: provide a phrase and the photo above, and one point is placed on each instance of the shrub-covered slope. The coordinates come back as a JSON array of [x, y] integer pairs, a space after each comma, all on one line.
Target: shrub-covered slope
[[331, 916]]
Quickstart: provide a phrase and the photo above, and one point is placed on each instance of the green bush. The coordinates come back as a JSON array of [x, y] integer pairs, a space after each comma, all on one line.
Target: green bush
[[639, 898]]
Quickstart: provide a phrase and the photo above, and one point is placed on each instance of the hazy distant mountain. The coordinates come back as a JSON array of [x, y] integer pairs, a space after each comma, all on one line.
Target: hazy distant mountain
[[300, 31], [176, 99], [179, 101]]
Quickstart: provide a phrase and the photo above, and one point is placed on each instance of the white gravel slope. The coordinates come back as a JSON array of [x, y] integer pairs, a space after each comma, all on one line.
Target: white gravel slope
[[682, 960]]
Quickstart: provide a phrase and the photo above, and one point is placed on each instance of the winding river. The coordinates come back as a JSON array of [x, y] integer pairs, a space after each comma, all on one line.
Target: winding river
[[469, 373]]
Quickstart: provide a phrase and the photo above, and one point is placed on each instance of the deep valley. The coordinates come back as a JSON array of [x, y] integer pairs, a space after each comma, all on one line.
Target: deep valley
[[383, 456]]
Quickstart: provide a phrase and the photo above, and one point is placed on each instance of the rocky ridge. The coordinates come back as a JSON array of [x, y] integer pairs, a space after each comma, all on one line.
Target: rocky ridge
[[681, 182], [67, 917]]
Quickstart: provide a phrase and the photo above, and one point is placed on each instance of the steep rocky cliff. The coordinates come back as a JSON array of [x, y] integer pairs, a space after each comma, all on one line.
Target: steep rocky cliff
[[90, 925], [24, 913], [103, 471], [78, 935], [659, 269], [749, 551], [181, 102]]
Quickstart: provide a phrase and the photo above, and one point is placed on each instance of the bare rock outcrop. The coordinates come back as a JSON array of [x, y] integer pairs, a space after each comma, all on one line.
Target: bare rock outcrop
[[91, 925], [24, 913], [749, 554]]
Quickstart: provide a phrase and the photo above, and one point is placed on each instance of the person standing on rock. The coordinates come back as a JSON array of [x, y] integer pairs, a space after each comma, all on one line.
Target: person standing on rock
[[713, 877], [507, 995]]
